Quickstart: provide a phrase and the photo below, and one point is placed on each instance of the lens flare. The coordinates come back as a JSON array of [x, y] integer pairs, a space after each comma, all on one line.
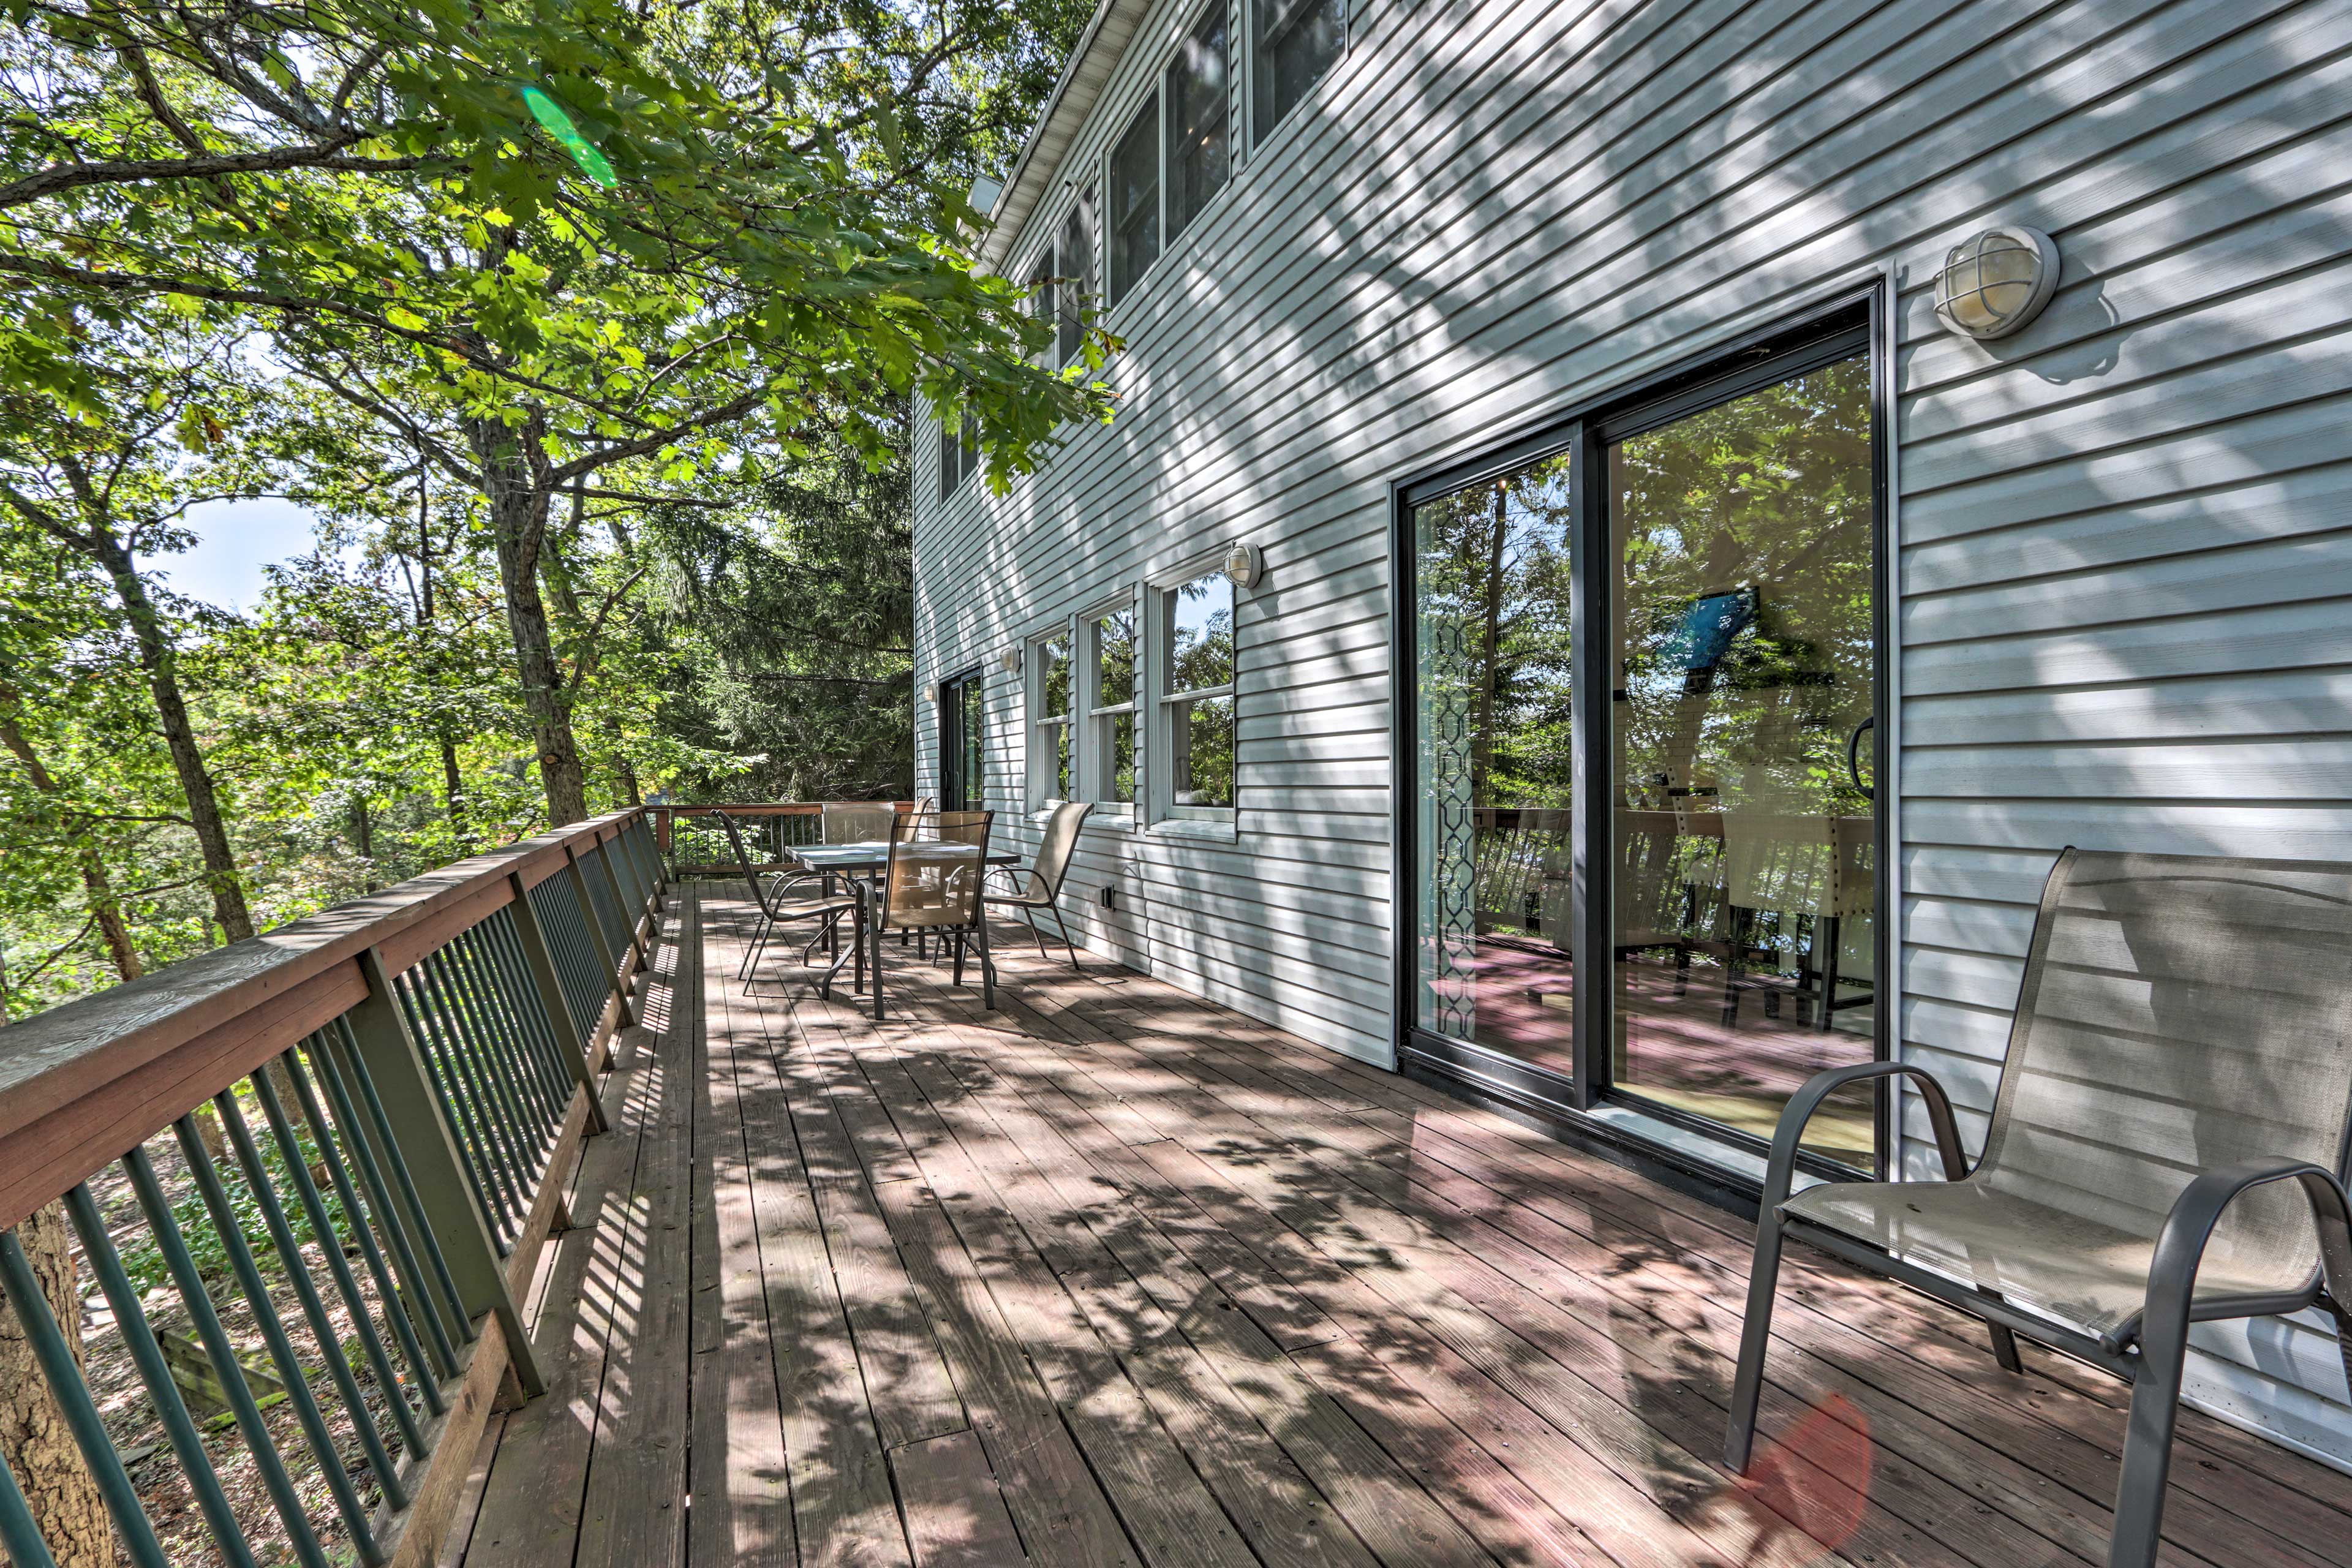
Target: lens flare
[[557, 124]]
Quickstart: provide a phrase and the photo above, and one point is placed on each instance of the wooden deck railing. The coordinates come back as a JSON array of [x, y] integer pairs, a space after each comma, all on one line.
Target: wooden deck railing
[[769, 828], [424, 1060]]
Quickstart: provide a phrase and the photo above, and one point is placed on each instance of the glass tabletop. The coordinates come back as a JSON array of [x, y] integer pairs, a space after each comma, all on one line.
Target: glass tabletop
[[869, 855]]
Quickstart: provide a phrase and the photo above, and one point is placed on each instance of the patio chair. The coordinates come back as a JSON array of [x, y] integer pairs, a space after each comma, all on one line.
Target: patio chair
[[2167, 1146], [1038, 886], [855, 821], [775, 899], [930, 884]]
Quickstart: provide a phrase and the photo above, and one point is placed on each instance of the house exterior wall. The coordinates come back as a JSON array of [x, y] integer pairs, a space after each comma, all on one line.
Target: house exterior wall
[[2124, 580]]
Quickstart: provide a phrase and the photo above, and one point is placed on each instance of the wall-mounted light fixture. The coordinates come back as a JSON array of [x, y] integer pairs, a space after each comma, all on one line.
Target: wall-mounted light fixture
[[1244, 564], [1009, 661], [931, 691], [1993, 283]]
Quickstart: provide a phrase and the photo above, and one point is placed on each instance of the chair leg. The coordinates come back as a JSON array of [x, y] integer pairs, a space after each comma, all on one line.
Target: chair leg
[[1064, 930], [1755, 1338], [1828, 934], [987, 968], [2004, 1348], [956, 941], [1036, 930], [2147, 1448], [876, 938]]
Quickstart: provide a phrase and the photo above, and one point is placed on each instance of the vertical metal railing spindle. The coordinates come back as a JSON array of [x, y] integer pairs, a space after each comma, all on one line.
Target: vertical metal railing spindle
[[499, 1006], [344, 1056], [222, 1353], [401, 1306], [63, 1374], [330, 1248], [478, 1164], [256, 1291], [155, 1373], [19, 1536], [467, 1047], [530, 1006]]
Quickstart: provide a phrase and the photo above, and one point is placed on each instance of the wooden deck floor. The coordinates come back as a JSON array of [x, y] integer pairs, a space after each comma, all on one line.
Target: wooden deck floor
[[1112, 1276]]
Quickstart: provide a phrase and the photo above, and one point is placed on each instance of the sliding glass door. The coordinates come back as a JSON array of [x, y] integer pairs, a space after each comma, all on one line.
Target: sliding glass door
[[1743, 831], [963, 734], [1671, 610]]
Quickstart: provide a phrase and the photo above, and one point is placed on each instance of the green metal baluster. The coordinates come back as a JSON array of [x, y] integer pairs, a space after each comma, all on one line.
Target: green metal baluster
[[503, 1046], [346, 1051], [530, 1007], [466, 1049], [400, 1306], [536, 957], [480, 1172], [65, 1387], [19, 1536], [273, 1329], [147, 1355], [499, 1008], [258, 1442], [347, 1285]]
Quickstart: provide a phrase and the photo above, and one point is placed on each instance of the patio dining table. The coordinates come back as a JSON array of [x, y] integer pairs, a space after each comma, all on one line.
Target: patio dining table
[[865, 858]]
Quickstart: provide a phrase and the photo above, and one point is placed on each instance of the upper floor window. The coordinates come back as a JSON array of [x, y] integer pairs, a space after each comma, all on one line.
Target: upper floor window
[[958, 459], [1073, 264], [1198, 152], [1133, 239], [1292, 44], [1192, 750]]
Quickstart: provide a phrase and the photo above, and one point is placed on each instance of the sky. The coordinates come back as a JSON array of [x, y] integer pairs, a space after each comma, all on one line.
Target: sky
[[235, 539]]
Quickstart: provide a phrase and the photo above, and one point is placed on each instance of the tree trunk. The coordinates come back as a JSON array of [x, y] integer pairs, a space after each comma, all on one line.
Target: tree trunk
[[160, 661], [96, 883], [33, 1438], [1482, 735], [515, 482]]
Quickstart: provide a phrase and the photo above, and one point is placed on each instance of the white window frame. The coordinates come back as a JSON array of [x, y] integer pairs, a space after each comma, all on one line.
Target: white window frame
[[1157, 743], [1094, 756], [1246, 76], [1044, 746]]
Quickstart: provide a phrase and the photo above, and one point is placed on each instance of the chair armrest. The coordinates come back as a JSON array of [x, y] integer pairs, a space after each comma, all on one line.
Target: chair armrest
[[1781, 1170], [2189, 1228]]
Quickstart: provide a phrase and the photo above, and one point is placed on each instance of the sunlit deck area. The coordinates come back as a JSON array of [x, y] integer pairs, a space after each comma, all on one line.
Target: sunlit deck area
[[1112, 1276]]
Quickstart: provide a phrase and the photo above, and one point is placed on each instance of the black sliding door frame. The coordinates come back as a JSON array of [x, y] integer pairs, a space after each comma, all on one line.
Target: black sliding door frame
[[1850, 323], [960, 788]]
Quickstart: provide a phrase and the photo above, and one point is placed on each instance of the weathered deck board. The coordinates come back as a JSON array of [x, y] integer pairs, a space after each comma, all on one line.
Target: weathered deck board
[[1109, 1277]]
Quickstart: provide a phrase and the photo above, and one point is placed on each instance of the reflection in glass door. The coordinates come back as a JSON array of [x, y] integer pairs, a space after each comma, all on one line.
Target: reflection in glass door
[[1743, 828], [1492, 764], [962, 737]]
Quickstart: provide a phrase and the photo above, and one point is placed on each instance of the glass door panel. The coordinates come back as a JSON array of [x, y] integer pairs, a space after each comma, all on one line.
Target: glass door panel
[[1494, 767], [963, 743], [1744, 841]]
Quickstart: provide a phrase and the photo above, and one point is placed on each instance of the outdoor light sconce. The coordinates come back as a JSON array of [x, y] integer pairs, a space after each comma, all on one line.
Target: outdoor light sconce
[[1009, 661], [931, 692], [1244, 563], [1994, 282]]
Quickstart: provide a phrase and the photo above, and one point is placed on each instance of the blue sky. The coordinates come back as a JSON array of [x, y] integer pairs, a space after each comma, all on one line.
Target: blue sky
[[236, 539]]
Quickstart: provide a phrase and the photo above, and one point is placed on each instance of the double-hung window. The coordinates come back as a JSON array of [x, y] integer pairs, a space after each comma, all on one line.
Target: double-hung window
[[1292, 44], [1200, 153], [1051, 755], [1108, 768], [1133, 239], [1190, 749], [959, 458]]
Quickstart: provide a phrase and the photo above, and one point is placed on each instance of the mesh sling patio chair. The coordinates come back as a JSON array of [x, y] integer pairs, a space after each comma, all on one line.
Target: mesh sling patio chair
[[777, 903], [2167, 1146], [931, 883], [855, 821], [1038, 885]]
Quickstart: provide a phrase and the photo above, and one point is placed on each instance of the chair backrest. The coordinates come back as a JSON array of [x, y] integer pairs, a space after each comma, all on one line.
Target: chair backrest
[[933, 876], [2180, 1013], [1061, 841], [855, 822], [742, 858]]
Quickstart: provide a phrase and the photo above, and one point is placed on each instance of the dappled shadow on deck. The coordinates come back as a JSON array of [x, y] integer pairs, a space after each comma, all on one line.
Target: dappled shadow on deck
[[1107, 1275]]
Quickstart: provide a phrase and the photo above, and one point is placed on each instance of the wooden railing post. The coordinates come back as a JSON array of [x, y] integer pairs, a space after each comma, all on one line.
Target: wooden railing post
[[597, 941], [426, 1144], [570, 1034]]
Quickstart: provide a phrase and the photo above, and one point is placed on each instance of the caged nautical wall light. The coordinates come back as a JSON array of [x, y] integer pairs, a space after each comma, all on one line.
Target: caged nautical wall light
[[1242, 564], [1993, 283]]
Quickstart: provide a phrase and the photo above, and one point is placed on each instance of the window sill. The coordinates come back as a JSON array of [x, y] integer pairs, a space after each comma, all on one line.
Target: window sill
[[1204, 832]]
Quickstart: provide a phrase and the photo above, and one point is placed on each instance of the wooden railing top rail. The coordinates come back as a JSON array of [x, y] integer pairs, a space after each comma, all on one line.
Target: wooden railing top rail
[[774, 807], [82, 1082]]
